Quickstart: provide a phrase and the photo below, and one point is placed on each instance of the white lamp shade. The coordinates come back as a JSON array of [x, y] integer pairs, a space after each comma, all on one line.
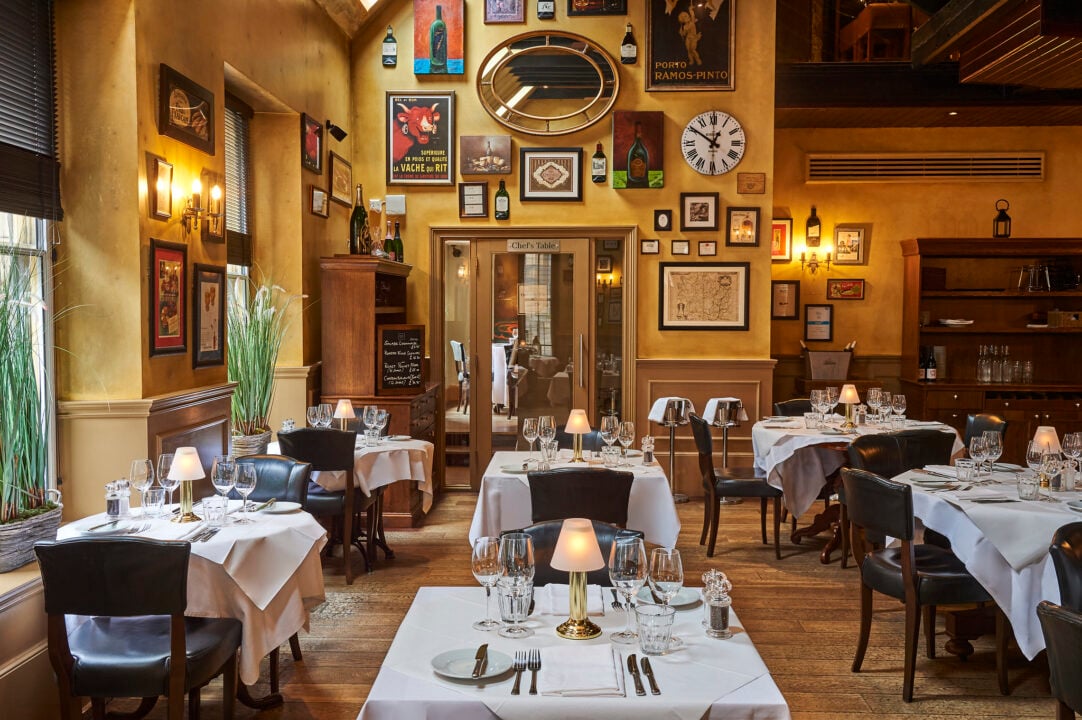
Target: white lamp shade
[[344, 410], [576, 548], [577, 424], [186, 465], [1046, 439], [848, 395]]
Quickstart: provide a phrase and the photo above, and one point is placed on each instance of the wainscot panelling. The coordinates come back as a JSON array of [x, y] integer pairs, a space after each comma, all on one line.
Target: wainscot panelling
[[198, 418]]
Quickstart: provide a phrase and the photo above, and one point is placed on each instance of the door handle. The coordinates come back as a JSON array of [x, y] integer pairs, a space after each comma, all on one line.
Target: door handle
[[582, 362]]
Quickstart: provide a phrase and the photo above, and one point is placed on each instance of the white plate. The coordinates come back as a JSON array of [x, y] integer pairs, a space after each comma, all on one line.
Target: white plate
[[781, 426], [780, 418], [282, 506], [513, 469], [686, 596], [459, 664], [121, 527], [634, 453], [398, 438], [1075, 505]]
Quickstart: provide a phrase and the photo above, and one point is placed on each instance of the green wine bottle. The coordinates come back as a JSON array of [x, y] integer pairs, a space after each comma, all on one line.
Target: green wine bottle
[[437, 43], [396, 244], [503, 203], [360, 238], [638, 162], [390, 49]]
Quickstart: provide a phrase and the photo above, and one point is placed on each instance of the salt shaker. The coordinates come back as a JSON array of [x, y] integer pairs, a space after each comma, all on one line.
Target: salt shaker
[[716, 604], [647, 449], [117, 499]]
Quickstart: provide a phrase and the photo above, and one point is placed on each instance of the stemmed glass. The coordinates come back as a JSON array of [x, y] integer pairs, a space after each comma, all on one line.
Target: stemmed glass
[[368, 416], [816, 399], [832, 398], [1072, 448], [978, 450], [382, 418], [326, 415], [1049, 468], [626, 436], [485, 564], [874, 399], [666, 578], [223, 475], [244, 483], [141, 477], [610, 428], [1034, 455], [516, 582], [313, 416], [546, 428], [529, 433], [823, 408], [627, 570], [165, 463], [993, 448], [897, 403]]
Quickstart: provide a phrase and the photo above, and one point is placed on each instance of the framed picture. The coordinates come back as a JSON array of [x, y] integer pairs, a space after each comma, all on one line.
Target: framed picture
[[420, 135], [689, 47], [484, 154], [550, 174], [681, 247], [213, 225], [159, 187], [751, 183], [662, 220], [698, 211], [703, 296], [438, 37], [311, 144], [742, 226], [320, 204], [615, 311], [818, 323], [473, 199], [341, 179], [781, 239], [604, 264], [208, 315], [505, 11], [168, 314], [849, 245], [784, 299], [637, 150], [616, 293], [649, 247], [611, 243], [596, 7], [839, 289], [708, 248], [185, 110]]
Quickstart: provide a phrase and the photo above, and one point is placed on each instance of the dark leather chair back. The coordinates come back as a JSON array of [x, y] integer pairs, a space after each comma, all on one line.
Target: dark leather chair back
[[591, 441], [704, 443], [877, 504], [593, 493], [544, 536], [925, 447], [793, 408], [1062, 630], [323, 449], [977, 424], [880, 454], [279, 477], [1066, 552]]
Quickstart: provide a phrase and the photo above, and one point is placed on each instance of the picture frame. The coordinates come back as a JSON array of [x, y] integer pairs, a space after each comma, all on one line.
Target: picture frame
[[781, 239], [751, 183], [742, 227], [784, 299], [505, 11], [596, 7], [484, 154], [845, 288], [649, 247], [662, 220], [681, 247], [341, 179], [212, 229], [610, 244], [159, 187], [708, 248], [168, 307], [703, 296], [850, 245], [473, 199], [604, 264], [319, 203], [420, 136], [669, 60], [185, 110], [553, 174], [614, 311], [452, 15], [616, 292], [699, 211], [637, 142], [208, 315], [311, 144], [819, 323]]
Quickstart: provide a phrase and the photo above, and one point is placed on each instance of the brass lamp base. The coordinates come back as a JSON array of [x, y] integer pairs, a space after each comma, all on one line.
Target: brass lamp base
[[573, 629], [577, 457], [186, 515], [848, 426], [577, 626]]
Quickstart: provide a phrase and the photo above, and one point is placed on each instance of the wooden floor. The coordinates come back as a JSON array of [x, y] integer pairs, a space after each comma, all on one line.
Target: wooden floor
[[801, 615]]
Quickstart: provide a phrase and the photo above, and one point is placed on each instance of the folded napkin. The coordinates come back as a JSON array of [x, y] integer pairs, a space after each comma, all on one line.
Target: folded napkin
[[581, 671], [553, 599], [657, 410]]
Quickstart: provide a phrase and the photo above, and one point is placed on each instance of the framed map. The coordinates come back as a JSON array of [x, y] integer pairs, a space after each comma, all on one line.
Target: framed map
[[703, 296]]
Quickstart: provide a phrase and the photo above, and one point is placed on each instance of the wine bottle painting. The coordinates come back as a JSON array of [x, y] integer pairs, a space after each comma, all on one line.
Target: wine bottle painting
[[438, 38], [637, 150]]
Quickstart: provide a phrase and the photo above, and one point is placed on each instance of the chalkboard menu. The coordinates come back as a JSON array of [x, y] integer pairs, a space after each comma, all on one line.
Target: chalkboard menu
[[400, 359]]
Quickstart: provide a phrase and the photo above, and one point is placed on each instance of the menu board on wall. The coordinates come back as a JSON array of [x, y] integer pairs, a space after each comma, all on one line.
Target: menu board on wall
[[400, 359]]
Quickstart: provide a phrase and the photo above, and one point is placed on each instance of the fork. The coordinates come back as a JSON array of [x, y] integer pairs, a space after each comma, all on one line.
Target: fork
[[616, 604], [208, 534], [519, 665], [534, 664]]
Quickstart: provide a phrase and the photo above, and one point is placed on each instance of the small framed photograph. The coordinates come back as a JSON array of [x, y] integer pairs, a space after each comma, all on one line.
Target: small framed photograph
[[484, 154], [615, 313], [742, 226], [784, 299], [168, 309], [505, 11], [818, 323], [616, 293], [849, 245], [698, 211], [703, 296], [159, 187], [751, 183], [341, 179], [839, 289], [596, 7], [185, 110], [611, 243], [311, 144], [320, 204], [781, 239], [708, 248], [473, 199], [208, 315], [604, 263], [662, 220], [649, 247], [681, 247], [550, 174]]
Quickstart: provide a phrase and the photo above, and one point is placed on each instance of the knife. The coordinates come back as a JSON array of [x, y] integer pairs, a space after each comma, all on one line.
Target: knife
[[481, 659], [103, 525], [265, 505], [646, 668], [634, 669]]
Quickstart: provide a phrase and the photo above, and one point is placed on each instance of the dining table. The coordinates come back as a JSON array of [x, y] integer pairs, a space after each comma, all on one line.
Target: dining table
[[707, 678], [504, 503]]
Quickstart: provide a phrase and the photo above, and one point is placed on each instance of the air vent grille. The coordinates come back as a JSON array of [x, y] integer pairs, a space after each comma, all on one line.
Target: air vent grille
[[927, 167]]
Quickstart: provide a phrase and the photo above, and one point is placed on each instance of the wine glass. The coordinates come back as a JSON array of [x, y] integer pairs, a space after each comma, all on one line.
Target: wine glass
[[515, 582], [1072, 448], [326, 415], [897, 403], [382, 418], [165, 463], [1034, 455], [223, 475], [244, 483], [874, 398], [485, 564], [1049, 468], [610, 428], [141, 477], [627, 570], [666, 578], [368, 416], [978, 450], [529, 433], [815, 397], [993, 448], [546, 428], [313, 416], [833, 393], [626, 436]]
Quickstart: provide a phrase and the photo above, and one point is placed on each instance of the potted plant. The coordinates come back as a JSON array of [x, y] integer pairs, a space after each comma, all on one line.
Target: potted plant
[[28, 509], [256, 325]]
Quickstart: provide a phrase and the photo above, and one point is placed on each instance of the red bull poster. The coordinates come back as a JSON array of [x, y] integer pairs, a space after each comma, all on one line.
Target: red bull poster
[[420, 138]]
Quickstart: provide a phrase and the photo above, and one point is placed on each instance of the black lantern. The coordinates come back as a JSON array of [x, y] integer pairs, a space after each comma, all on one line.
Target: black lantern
[[1001, 226]]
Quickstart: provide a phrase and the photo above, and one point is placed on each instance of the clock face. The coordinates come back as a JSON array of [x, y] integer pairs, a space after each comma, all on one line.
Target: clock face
[[713, 142]]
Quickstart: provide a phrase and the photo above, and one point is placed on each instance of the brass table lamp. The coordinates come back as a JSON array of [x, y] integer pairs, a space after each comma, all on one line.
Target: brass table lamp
[[577, 552], [577, 425], [186, 467]]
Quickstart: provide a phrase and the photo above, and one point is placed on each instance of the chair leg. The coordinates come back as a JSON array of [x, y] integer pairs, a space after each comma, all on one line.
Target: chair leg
[[193, 704], [97, 708], [1003, 638], [272, 670], [912, 633], [295, 647], [1064, 711], [843, 528], [777, 528], [929, 631], [865, 626], [762, 518], [229, 687], [715, 518], [706, 517], [175, 708]]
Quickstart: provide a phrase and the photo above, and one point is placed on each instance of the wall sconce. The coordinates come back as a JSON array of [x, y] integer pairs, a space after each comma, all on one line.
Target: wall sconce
[[463, 272], [336, 132], [604, 281], [810, 259], [1001, 226], [193, 208]]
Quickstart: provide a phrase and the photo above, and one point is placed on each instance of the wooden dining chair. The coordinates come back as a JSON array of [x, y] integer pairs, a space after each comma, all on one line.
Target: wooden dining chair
[[544, 536], [589, 492], [795, 407], [1062, 629]]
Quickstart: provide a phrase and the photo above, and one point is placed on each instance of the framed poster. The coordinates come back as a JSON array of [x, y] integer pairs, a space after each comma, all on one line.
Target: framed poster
[[708, 248], [473, 199], [649, 247], [320, 205], [505, 11], [484, 154], [698, 211], [185, 110], [311, 144], [781, 239], [849, 245], [784, 299], [637, 150], [550, 173], [420, 136], [818, 323], [689, 45], [596, 7], [439, 37], [168, 315], [742, 226], [341, 179], [615, 314], [839, 289], [208, 315], [703, 296], [681, 247]]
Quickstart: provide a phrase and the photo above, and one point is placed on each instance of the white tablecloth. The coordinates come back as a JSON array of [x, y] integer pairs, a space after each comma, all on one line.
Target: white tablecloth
[[267, 575], [709, 679], [504, 501]]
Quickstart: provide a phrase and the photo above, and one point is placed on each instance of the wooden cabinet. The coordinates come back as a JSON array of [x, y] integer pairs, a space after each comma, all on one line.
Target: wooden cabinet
[[360, 293], [985, 280]]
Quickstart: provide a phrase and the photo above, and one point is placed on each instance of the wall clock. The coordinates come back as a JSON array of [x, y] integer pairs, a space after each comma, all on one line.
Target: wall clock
[[713, 142]]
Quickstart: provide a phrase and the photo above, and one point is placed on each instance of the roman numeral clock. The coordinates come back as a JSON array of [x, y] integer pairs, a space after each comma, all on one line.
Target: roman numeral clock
[[713, 142]]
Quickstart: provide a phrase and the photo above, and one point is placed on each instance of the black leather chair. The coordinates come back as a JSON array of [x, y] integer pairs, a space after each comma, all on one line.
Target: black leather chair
[[918, 575], [1062, 630], [793, 408], [925, 446], [977, 424], [137, 641], [1066, 552], [587, 492], [591, 441], [544, 536], [458, 353], [718, 483]]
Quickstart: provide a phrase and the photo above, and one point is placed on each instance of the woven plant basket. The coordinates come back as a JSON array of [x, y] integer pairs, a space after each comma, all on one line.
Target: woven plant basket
[[17, 539], [250, 444]]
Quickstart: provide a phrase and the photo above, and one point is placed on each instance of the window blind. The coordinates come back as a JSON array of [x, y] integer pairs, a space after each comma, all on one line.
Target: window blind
[[238, 234]]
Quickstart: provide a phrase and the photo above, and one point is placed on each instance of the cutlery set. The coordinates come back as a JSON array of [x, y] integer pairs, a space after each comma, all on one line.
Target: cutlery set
[[616, 604], [531, 660], [647, 670]]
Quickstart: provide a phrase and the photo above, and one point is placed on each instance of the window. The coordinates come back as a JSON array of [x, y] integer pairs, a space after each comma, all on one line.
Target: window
[[537, 273], [238, 233]]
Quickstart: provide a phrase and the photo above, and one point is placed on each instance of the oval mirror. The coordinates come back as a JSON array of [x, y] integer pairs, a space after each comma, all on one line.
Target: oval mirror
[[547, 83]]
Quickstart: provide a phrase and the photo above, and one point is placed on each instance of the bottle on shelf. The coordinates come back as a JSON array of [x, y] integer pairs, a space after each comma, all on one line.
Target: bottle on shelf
[[599, 166], [629, 49], [638, 162], [390, 49], [922, 364], [437, 43], [930, 366], [546, 9], [813, 229], [396, 245], [503, 203], [984, 364], [360, 238], [388, 240]]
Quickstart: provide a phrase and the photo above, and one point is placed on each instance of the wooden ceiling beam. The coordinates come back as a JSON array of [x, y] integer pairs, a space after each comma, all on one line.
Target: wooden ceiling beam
[[934, 40]]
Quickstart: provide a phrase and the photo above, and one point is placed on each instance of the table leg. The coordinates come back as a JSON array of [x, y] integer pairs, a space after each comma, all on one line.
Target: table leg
[[826, 520], [381, 539], [271, 700]]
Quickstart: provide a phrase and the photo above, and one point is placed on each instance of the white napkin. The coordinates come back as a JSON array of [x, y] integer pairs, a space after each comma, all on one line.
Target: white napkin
[[581, 671], [657, 410], [711, 410], [554, 599]]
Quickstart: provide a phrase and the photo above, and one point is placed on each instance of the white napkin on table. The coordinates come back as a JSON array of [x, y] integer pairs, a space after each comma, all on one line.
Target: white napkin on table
[[554, 599], [581, 671], [657, 410]]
